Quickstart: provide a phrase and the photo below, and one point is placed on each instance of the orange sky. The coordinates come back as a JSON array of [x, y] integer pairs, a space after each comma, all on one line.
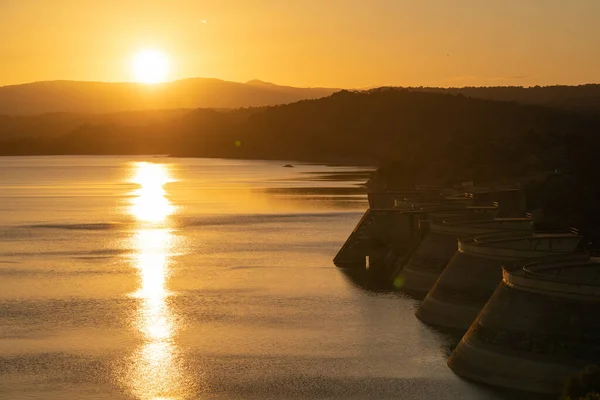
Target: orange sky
[[334, 43]]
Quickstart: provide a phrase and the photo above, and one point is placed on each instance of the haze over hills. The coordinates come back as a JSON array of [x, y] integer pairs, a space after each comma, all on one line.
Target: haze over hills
[[105, 97]]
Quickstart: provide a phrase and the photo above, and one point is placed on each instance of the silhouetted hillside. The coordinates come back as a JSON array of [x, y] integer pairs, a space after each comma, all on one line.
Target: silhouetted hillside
[[442, 136], [102, 97]]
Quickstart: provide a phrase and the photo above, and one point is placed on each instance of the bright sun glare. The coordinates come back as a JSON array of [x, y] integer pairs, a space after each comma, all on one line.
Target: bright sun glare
[[150, 203], [150, 66]]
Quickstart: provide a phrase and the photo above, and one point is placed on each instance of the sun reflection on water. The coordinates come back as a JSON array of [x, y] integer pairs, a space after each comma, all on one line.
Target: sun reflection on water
[[150, 203], [156, 372]]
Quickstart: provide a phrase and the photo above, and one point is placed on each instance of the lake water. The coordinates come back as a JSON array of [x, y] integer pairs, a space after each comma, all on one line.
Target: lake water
[[163, 279]]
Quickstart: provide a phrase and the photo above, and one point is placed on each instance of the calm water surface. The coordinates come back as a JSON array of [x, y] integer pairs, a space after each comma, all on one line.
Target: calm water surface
[[165, 279]]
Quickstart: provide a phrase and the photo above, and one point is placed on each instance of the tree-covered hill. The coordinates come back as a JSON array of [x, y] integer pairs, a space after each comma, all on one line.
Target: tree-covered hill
[[441, 135]]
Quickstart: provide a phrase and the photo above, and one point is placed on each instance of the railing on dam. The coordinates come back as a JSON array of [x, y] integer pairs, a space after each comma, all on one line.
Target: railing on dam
[[574, 275], [519, 244], [474, 224]]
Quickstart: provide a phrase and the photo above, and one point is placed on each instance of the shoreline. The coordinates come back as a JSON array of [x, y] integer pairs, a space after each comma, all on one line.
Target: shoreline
[[326, 163]]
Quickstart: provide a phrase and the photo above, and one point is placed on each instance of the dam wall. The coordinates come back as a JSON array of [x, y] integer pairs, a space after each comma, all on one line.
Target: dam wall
[[378, 233], [475, 270], [422, 269], [390, 232], [541, 325]]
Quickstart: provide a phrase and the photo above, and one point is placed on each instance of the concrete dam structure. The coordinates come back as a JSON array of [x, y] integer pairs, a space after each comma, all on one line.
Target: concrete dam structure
[[378, 233], [475, 270], [530, 300], [396, 222], [391, 224], [382, 231], [424, 266], [541, 325]]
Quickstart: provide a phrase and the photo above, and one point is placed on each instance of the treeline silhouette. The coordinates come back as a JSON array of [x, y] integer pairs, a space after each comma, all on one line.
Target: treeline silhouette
[[582, 98], [441, 136], [431, 137]]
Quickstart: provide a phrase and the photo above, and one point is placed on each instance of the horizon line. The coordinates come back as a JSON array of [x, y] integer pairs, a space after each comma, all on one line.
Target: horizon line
[[249, 82]]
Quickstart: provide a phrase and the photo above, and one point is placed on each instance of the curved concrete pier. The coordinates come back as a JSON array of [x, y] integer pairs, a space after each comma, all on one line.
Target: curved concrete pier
[[541, 325], [418, 275], [474, 272]]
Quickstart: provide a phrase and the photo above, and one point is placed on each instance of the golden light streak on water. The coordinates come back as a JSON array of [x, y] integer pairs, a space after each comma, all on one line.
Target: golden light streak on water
[[150, 203], [156, 373]]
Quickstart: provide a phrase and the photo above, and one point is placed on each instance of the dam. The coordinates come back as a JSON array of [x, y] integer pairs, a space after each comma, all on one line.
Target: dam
[[378, 233], [528, 299], [541, 325], [419, 228], [475, 270], [391, 225], [438, 245]]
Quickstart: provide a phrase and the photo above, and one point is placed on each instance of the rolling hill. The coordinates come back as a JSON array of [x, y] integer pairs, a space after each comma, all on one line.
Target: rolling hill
[[104, 97]]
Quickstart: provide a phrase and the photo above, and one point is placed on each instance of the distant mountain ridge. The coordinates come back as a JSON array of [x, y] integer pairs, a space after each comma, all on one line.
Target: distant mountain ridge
[[108, 97]]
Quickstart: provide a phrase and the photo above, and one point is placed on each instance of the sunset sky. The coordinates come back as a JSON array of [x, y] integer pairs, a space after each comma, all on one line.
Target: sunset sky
[[333, 43]]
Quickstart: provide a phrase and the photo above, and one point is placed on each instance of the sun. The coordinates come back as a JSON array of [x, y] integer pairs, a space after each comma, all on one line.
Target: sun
[[150, 66]]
